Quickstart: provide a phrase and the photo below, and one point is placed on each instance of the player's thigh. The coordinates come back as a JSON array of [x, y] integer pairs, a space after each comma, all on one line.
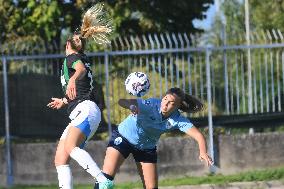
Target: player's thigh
[[112, 162], [75, 137], [85, 120], [61, 156], [149, 173]]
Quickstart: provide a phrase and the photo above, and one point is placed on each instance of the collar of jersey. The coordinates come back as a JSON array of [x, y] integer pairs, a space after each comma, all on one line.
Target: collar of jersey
[[172, 115]]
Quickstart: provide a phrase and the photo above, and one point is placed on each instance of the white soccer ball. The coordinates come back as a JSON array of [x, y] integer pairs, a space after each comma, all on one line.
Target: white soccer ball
[[137, 84]]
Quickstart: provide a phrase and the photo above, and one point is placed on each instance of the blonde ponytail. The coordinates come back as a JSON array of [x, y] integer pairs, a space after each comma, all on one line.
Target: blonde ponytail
[[96, 24]]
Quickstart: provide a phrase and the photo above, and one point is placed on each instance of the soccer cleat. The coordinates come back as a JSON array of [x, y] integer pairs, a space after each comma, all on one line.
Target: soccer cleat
[[104, 185]]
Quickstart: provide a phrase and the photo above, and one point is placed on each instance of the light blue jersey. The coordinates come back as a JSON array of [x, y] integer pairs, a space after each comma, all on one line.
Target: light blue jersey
[[144, 130]]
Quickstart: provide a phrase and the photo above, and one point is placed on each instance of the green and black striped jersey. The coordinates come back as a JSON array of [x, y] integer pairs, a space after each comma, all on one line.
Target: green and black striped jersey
[[84, 85]]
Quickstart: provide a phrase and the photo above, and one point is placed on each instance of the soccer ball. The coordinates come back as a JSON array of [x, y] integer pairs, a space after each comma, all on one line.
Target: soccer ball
[[137, 84]]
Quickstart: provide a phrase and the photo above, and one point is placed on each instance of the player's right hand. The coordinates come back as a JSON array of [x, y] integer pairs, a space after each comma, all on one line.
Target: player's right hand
[[207, 158], [56, 103]]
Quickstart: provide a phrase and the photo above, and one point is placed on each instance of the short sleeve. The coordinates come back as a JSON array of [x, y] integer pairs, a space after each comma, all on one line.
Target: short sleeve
[[72, 60], [184, 124], [76, 62]]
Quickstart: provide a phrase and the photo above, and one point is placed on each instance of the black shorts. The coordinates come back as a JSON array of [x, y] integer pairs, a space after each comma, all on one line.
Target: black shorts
[[121, 144]]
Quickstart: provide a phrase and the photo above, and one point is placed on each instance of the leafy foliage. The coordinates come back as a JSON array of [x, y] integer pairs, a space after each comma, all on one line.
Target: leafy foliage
[[263, 15], [28, 21], [157, 16], [50, 20], [267, 14]]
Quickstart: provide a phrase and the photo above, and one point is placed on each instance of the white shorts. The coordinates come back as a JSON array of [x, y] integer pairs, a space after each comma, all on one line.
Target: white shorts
[[86, 116]]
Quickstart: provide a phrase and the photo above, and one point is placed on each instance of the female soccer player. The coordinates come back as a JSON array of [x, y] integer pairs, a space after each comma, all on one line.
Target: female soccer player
[[85, 116], [139, 133]]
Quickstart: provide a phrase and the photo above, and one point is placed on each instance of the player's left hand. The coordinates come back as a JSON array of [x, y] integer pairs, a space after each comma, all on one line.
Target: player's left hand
[[56, 103], [71, 89], [205, 157]]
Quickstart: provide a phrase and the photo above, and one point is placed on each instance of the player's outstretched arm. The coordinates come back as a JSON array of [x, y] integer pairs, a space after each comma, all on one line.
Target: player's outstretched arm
[[198, 136], [130, 104], [57, 103]]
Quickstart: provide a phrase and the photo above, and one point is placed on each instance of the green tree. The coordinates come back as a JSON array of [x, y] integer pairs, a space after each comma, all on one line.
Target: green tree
[[230, 20], [28, 22], [267, 14], [33, 22], [264, 15], [157, 16]]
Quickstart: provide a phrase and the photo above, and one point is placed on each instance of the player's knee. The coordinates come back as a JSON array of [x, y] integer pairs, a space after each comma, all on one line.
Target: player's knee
[[59, 160], [68, 149], [69, 146]]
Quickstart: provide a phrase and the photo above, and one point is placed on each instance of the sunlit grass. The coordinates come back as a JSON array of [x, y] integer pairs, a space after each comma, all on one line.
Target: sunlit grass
[[261, 175]]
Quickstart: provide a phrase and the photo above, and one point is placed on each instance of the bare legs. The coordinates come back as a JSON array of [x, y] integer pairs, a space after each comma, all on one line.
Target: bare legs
[[68, 147], [147, 171], [148, 174]]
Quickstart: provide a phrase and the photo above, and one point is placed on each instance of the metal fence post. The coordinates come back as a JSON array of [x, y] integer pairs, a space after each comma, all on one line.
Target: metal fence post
[[250, 110], [106, 59], [209, 100], [226, 74], [9, 172]]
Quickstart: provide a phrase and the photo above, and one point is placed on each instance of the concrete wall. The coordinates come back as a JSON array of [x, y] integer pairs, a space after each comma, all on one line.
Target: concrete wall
[[246, 152], [33, 163]]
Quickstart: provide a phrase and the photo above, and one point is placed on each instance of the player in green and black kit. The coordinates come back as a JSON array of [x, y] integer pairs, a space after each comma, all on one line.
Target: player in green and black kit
[[85, 116], [84, 85]]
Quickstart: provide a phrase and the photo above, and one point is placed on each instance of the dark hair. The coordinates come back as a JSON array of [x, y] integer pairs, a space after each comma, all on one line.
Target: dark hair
[[189, 103], [77, 42]]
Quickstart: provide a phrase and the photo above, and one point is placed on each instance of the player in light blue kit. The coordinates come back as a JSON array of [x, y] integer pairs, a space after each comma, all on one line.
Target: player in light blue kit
[[139, 133]]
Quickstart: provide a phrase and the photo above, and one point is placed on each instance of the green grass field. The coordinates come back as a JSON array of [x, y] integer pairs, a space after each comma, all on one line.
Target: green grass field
[[261, 175]]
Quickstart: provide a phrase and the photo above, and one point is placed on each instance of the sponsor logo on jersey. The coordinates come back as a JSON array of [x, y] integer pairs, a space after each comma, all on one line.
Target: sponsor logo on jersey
[[169, 124]]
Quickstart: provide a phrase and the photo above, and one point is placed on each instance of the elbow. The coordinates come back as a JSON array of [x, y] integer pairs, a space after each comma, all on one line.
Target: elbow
[[120, 102], [199, 138]]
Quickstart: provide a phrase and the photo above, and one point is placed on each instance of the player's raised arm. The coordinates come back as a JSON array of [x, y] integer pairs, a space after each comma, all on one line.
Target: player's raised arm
[[198, 136]]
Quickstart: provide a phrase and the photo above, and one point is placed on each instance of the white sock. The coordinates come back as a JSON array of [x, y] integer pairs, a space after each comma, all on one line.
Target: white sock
[[65, 179], [86, 161]]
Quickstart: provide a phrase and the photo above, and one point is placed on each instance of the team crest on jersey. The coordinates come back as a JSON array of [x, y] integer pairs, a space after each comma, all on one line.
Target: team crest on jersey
[[146, 102], [118, 140]]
